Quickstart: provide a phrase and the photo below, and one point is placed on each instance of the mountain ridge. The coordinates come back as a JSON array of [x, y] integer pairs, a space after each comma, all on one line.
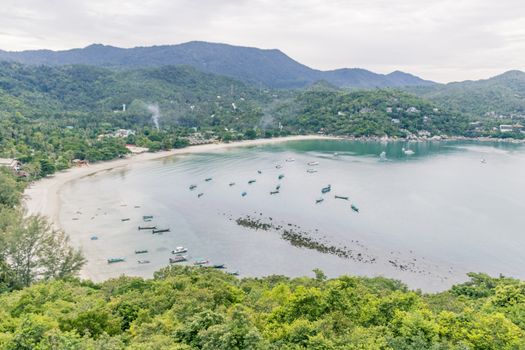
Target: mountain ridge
[[270, 67]]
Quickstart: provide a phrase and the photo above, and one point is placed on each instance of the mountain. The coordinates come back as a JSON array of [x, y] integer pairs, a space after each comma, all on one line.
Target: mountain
[[502, 94], [272, 68]]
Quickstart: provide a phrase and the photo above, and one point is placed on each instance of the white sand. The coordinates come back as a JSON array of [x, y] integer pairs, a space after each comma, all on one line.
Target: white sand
[[43, 198]]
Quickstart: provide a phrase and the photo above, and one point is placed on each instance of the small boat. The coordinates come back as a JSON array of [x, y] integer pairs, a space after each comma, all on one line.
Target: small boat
[[232, 184], [143, 262], [218, 266], [137, 206], [200, 195], [326, 189], [382, 156], [147, 228], [281, 176], [336, 154], [147, 217], [289, 160], [115, 260], [200, 262], [317, 201], [178, 258], [341, 197], [161, 230], [278, 187], [244, 194], [179, 250], [278, 166], [312, 163], [234, 273], [407, 152], [208, 179], [274, 192], [93, 238], [126, 219], [251, 181], [192, 187], [354, 208], [311, 171], [483, 160], [259, 172], [141, 251]]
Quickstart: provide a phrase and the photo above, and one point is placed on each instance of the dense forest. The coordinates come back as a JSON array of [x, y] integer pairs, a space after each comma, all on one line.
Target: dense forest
[[50, 116]]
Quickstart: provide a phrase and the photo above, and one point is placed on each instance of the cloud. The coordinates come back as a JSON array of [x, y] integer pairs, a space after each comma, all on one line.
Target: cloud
[[442, 40]]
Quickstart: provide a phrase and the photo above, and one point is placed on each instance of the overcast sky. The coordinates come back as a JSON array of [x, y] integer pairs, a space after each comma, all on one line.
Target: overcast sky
[[441, 40]]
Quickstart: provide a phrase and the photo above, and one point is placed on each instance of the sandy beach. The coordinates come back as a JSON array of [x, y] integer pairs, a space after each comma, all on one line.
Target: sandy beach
[[42, 197]]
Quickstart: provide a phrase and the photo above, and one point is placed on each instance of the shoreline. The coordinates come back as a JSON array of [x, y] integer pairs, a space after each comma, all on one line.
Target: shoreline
[[42, 197]]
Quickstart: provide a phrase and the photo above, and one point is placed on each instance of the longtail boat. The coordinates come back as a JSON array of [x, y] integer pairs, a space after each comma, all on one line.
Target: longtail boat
[[200, 262], [147, 227], [341, 197], [141, 251], [161, 230], [115, 260]]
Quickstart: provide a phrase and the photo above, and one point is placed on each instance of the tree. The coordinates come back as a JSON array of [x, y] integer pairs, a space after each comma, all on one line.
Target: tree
[[35, 250]]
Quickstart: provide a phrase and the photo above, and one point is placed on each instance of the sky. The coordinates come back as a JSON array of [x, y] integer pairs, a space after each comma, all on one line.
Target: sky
[[440, 40]]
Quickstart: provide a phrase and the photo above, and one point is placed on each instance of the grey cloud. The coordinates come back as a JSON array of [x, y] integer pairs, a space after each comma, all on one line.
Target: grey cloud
[[442, 40]]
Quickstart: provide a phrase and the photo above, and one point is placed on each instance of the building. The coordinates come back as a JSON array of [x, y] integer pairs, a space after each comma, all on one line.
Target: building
[[506, 128]]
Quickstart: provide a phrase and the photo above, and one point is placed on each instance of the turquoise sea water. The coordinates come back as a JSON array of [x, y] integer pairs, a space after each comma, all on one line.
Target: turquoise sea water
[[426, 218]]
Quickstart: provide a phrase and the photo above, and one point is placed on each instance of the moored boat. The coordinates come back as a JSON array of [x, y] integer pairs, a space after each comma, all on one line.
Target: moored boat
[[93, 238], [161, 230], [141, 251], [354, 208], [312, 163], [319, 200], [200, 195], [178, 258], [244, 194], [200, 262], [251, 181], [115, 260], [218, 266], [179, 250], [208, 179], [232, 184], [192, 187], [281, 176], [125, 219], [341, 197], [143, 261], [274, 192], [326, 189], [311, 171], [147, 227]]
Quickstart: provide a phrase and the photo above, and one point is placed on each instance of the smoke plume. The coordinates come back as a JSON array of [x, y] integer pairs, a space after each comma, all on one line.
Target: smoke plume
[[155, 114]]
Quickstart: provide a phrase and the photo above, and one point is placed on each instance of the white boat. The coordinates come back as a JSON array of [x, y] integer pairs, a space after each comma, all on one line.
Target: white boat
[[311, 171], [407, 152], [313, 163], [179, 250], [382, 156], [289, 160]]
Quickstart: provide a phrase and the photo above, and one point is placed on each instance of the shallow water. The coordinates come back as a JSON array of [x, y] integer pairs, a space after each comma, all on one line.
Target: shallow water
[[426, 219]]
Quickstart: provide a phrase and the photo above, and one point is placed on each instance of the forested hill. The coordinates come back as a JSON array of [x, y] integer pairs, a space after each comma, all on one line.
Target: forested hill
[[502, 94], [271, 68]]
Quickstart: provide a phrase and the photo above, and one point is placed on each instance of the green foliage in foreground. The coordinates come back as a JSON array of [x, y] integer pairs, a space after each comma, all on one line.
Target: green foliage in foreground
[[200, 308]]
